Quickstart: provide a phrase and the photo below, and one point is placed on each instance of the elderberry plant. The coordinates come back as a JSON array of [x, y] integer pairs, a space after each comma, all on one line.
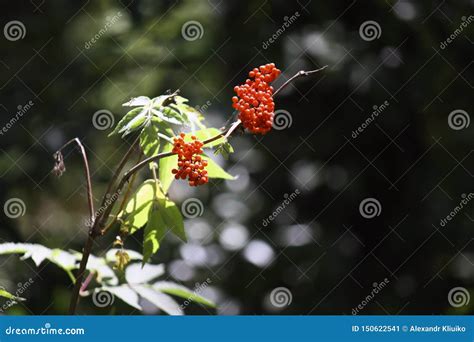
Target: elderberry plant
[[171, 139]]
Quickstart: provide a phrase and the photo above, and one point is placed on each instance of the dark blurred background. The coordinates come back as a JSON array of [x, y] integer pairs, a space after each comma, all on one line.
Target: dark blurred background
[[411, 161]]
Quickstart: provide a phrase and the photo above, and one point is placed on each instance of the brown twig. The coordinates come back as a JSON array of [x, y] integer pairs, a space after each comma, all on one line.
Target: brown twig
[[87, 174]]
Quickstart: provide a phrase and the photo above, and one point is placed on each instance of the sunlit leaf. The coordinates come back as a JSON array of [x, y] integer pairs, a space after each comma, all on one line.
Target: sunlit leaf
[[215, 171], [155, 230], [8, 295], [137, 101], [136, 274], [182, 291], [149, 141], [166, 165], [135, 214], [159, 299], [126, 120]]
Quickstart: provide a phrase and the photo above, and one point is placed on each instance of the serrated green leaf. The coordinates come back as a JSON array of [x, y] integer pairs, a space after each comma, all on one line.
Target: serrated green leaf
[[149, 141], [155, 231], [126, 120], [183, 292], [166, 165], [215, 171], [135, 214]]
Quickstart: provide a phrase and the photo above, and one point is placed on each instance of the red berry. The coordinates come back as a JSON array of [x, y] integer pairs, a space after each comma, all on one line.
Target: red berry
[[190, 163]]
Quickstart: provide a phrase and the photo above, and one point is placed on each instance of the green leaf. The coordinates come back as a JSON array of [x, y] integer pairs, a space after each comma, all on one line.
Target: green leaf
[[159, 299], [215, 171], [126, 120], [183, 292], [204, 134], [8, 295], [138, 101], [110, 256], [135, 214], [149, 141], [224, 149], [172, 218], [155, 231], [166, 165], [166, 115], [39, 253], [138, 274], [134, 124]]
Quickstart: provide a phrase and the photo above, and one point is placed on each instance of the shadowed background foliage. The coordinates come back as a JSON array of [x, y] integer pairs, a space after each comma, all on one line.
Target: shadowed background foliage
[[409, 157]]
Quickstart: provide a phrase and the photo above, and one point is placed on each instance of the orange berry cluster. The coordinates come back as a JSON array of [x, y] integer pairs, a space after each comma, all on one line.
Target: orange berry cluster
[[190, 163], [254, 99]]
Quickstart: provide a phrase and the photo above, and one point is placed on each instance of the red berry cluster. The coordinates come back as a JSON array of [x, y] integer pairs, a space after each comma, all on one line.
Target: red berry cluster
[[190, 163], [254, 99]]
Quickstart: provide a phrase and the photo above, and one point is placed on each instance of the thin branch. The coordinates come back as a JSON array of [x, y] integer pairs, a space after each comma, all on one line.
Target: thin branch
[[94, 231], [87, 174], [300, 73]]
